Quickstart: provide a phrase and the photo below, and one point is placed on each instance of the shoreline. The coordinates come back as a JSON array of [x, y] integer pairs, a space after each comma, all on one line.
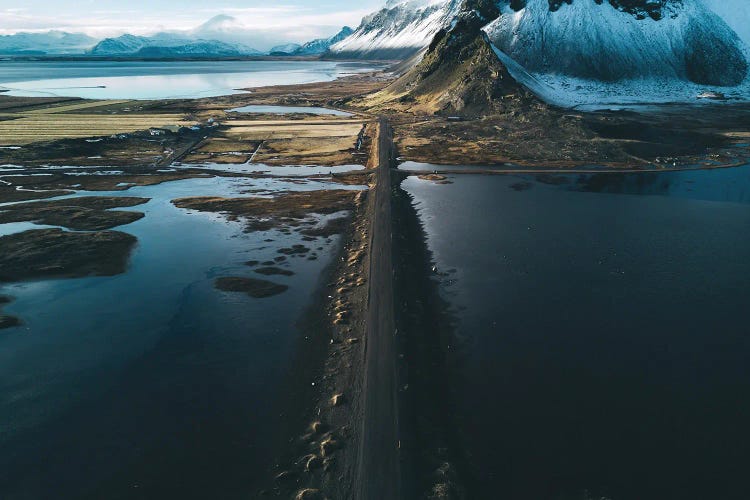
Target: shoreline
[[322, 451], [531, 171], [435, 464]]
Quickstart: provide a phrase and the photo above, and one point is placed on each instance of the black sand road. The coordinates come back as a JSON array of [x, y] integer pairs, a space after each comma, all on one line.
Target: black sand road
[[378, 475]]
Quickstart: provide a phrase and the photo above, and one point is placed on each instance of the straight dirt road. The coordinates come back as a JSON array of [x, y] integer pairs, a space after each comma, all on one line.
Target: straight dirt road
[[379, 470]]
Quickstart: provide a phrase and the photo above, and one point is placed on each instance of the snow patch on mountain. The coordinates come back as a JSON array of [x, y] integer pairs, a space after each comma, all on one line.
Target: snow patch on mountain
[[398, 31], [592, 40], [413, 3], [592, 95]]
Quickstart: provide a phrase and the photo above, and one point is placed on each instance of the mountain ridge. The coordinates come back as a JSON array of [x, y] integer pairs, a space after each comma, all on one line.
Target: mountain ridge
[[166, 45], [601, 40], [459, 73], [322, 45], [49, 42], [221, 36], [398, 31]]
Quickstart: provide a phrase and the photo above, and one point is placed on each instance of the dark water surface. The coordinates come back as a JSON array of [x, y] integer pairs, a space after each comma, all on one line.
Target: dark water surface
[[602, 341], [153, 384]]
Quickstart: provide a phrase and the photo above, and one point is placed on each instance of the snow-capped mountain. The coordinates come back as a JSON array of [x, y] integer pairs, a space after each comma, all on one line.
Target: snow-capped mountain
[[224, 28], [287, 48], [605, 40], [398, 31], [620, 39], [321, 45], [221, 27], [219, 36], [180, 44], [122, 45], [164, 45], [50, 42], [198, 48]]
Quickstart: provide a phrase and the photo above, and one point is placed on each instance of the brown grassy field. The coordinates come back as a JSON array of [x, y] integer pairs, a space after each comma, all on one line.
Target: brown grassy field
[[70, 121], [285, 142]]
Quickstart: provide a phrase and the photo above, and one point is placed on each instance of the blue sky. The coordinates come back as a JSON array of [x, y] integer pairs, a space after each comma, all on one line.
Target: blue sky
[[295, 20]]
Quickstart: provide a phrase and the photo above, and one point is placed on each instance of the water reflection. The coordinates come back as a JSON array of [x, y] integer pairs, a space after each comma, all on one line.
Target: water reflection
[[162, 80], [601, 339], [153, 382], [283, 110]]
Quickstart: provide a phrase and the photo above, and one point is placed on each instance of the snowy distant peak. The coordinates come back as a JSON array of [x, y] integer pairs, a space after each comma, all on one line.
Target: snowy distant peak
[[220, 23], [321, 45], [50, 42], [168, 45], [613, 40], [220, 36], [125, 44], [399, 30], [287, 48], [223, 28], [345, 32], [198, 48]]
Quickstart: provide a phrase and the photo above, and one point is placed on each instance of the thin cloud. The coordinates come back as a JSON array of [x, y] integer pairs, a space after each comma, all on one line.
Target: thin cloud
[[266, 25]]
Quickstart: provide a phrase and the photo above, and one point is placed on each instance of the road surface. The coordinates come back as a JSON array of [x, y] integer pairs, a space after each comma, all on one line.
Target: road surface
[[378, 472]]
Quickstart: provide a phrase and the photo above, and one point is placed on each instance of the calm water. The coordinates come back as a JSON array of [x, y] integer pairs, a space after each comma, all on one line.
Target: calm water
[[602, 343], [285, 110], [153, 384], [162, 80], [261, 168]]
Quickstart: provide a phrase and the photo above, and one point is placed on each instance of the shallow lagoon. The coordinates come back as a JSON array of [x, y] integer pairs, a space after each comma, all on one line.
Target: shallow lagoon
[[263, 169], [153, 382], [286, 110], [162, 80], [600, 347]]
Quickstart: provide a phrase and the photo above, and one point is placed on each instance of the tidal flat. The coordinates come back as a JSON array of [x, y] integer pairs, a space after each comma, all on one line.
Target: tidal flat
[[141, 306], [178, 329]]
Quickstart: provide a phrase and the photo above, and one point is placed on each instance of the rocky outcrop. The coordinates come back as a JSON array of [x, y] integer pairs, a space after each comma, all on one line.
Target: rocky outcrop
[[641, 9], [459, 73]]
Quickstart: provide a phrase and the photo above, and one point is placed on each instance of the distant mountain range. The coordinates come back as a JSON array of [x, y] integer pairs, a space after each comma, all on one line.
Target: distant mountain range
[[168, 45], [286, 49], [221, 36], [51, 42]]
